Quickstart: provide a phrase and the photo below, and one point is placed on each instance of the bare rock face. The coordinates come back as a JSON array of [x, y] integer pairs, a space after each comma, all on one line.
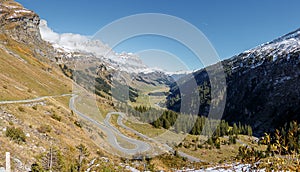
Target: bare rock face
[[21, 24]]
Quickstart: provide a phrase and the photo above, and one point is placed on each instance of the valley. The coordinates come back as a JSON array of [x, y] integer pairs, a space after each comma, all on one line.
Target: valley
[[76, 105]]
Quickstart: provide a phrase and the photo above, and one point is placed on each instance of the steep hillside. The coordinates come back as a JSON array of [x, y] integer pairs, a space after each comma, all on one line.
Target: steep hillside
[[262, 85], [25, 63], [33, 129], [96, 67], [36, 124]]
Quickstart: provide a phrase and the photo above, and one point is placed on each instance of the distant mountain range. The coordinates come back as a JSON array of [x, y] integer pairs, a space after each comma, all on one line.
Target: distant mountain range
[[262, 83], [38, 69], [69, 44]]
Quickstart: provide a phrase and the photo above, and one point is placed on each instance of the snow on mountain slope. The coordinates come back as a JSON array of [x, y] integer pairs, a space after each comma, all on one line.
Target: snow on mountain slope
[[271, 51], [72, 45], [262, 85]]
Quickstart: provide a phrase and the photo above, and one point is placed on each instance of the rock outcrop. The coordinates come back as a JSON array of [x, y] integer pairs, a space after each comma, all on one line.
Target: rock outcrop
[[22, 25]]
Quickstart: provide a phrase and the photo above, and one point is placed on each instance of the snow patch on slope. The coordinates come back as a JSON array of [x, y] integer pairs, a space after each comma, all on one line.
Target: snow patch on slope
[[70, 43], [271, 51]]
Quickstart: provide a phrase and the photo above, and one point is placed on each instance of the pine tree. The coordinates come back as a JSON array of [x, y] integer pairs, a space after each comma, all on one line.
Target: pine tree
[[166, 124], [249, 130], [210, 141], [235, 129], [240, 127], [157, 123]]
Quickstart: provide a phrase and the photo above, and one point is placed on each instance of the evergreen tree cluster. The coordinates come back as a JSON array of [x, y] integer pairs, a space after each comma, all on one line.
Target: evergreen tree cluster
[[241, 129], [186, 123]]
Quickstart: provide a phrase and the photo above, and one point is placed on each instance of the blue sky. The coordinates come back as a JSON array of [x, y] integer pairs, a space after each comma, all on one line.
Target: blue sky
[[231, 26]]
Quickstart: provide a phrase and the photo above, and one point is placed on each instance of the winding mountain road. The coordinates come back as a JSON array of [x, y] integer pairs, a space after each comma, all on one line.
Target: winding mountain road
[[107, 128], [111, 132], [166, 147], [31, 100]]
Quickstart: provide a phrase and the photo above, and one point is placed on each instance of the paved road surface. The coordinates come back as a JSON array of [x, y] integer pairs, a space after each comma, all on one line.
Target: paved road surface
[[166, 147], [110, 131], [32, 100]]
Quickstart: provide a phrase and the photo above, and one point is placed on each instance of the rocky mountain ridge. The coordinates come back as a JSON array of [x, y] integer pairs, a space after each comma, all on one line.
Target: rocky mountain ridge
[[16, 19], [22, 25], [68, 45], [87, 60], [262, 85]]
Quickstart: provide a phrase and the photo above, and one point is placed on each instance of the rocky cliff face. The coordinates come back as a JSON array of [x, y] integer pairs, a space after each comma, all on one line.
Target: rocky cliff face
[[262, 85], [22, 25]]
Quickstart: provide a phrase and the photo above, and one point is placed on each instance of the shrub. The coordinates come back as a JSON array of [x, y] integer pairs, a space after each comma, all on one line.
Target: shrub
[[78, 124], [218, 145], [34, 107], [35, 167], [56, 117], [232, 140], [180, 145], [200, 146], [176, 153], [21, 109], [210, 141], [16, 134], [5, 87], [250, 155], [44, 129]]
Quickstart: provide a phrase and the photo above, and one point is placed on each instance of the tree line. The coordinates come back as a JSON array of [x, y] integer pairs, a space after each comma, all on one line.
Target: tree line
[[186, 123]]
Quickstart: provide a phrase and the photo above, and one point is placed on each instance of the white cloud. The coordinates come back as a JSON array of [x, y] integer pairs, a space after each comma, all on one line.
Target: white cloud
[[72, 42], [48, 34]]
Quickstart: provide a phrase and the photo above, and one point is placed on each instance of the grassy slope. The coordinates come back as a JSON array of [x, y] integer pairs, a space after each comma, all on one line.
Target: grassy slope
[[144, 99], [64, 134], [22, 76], [225, 154], [145, 129]]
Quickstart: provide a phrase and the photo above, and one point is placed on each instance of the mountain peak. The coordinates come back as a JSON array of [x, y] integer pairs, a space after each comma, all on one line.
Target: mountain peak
[[12, 11], [272, 51], [294, 34]]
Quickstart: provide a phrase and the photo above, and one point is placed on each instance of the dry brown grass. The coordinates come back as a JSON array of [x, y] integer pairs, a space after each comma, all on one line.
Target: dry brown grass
[[145, 129], [23, 76], [65, 134], [27, 77], [169, 163]]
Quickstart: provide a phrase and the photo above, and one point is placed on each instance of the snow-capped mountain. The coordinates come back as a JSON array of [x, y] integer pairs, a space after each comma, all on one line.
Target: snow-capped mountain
[[271, 51], [263, 87], [70, 45]]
